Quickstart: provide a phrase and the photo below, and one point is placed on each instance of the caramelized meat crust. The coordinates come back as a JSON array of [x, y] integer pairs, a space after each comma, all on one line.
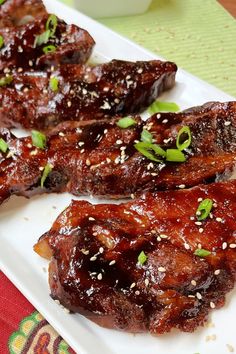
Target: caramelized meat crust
[[72, 44], [99, 158], [82, 92], [95, 266]]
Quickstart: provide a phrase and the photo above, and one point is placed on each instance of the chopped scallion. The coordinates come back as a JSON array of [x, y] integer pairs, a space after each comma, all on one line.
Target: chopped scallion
[[1, 42], [126, 122], [3, 145], [146, 136], [158, 106], [42, 38], [53, 83], [38, 139], [200, 252], [46, 171], [204, 209], [2, 2], [51, 24], [6, 80], [150, 151], [175, 155], [185, 136], [49, 49], [142, 258]]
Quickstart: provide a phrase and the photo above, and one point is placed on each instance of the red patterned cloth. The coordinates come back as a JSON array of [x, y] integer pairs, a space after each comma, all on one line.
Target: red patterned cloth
[[23, 329]]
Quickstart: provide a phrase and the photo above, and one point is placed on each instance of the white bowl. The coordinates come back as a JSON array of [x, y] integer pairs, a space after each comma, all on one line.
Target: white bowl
[[111, 8]]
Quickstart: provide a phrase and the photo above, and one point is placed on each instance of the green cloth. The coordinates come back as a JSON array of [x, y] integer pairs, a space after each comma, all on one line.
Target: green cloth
[[199, 35]]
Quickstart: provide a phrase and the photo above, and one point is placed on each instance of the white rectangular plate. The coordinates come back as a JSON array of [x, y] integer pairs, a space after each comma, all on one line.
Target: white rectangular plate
[[23, 221]]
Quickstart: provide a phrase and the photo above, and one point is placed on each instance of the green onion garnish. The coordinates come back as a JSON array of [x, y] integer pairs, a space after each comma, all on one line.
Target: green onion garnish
[[51, 24], [146, 137], [158, 106], [3, 145], [142, 258], [204, 209], [50, 27], [126, 122], [200, 252], [184, 131], [49, 49], [53, 83], [42, 38], [38, 139], [1, 41], [150, 151], [2, 1], [4, 81], [174, 155], [46, 171]]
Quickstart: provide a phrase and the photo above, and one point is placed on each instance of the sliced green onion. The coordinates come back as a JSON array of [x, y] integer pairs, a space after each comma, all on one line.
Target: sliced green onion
[[142, 258], [53, 83], [4, 81], [146, 136], [42, 38], [46, 171], [158, 106], [49, 49], [51, 24], [38, 139], [174, 155], [184, 131], [126, 122], [204, 209], [2, 2], [200, 252], [1, 41], [150, 151], [3, 145]]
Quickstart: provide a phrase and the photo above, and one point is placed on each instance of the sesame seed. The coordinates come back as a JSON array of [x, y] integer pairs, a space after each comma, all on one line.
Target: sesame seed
[[34, 152], [212, 305], [218, 219], [84, 91], [132, 196], [163, 236], [200, 200], [112, 262], [93, 258], [30, 63], [99, 277], [132, 285], [108, 160], [193, 282], [69, 103], [85, 252], [137, 292], [198, 222], [182, 186], [198, 213], [232, 245], [106, 89], [119, 142], [199, 246], [80, 143], [158, 238], [199, 296], [186, 246], [139, 71], [224, 245], [161, 269], [201, 230], [165, 121], [29, 146], [227, 123], [217, 272], [61, 134], [101, 250], [214, 205], [191, 218], [88, 163], [41, 168], [158, 116], [146, 281], [191, 296]]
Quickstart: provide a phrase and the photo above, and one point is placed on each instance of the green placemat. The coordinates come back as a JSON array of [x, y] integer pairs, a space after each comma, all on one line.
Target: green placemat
[[199, 35]]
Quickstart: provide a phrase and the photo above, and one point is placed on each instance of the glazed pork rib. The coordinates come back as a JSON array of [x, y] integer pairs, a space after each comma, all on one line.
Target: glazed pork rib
[[69, 44], [99, 157], [83, 92], [147, 265]]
